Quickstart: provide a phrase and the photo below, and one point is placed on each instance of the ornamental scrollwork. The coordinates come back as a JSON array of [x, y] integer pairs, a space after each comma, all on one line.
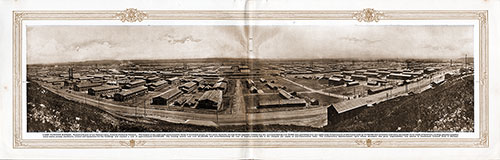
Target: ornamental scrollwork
[[368, 15], [368, 142], [131, 15], [18, 18], [482, 17], [483, 139], [132, 143]]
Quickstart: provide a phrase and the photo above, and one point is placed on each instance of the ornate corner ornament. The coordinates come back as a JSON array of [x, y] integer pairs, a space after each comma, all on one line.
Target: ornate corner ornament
[[368, 15], [482, 17], [368, 142], [18, 18], [483, 139], [131, 15]]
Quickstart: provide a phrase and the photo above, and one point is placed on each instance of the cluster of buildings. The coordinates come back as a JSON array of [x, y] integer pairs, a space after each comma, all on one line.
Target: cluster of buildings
[[199, 85], [375, 77], [125, 85], [286, 99], [185, 94]]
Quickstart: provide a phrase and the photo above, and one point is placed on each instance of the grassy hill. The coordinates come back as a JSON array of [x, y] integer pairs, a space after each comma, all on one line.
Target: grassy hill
[[449, 107]]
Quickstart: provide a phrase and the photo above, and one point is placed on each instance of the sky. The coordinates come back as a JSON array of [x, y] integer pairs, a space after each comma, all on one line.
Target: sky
[[56, 44]]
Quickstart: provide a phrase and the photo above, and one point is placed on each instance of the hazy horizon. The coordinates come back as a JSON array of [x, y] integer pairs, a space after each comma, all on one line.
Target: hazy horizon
[[62, 44]]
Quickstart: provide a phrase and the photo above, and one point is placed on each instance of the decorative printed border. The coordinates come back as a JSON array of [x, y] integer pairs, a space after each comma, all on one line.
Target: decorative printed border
[[368, 15]]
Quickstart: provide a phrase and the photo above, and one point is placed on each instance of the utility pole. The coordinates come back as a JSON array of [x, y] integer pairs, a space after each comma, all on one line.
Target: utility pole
[[354, 88], [217, 116], [465, 60], [406, 87], [135, 98]]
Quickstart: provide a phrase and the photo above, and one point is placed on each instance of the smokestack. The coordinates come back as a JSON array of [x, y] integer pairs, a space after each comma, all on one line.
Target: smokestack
[[70, 72], [465, 60]]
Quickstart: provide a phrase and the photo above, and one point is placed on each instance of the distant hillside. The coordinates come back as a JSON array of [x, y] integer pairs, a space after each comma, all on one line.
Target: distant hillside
[[244, 60]]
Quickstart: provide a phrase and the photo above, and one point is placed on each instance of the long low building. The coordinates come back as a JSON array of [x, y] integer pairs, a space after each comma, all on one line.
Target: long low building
[[103, 90], [157, 85], [135, 84], [250, 83], [167, 96], [131, 93], [283, 103], [285, 94], [438, 82], [371, 74], [211, 99], [273, 86], [399, 76], [152, 79], [335, 81], [359, 77], [378, 90], [353, 83], [85, 86], [188, 87], [221, 86]]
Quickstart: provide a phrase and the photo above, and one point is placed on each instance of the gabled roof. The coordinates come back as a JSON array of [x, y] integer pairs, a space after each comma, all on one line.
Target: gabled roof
[[159, 83], [188, 84], [170, 93], [103, 88], [212, 95], [133, 90]]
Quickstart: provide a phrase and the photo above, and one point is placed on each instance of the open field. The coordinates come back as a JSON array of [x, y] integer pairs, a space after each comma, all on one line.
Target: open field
[[290, 86], [348, 91], [311, 83], [323, 99]]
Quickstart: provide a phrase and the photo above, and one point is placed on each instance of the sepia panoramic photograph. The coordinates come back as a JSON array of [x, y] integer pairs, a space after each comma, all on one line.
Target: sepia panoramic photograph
[[242, 78]]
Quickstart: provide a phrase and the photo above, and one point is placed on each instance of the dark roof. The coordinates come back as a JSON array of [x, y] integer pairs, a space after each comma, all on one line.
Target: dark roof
[[345, 106], [282, 102], [357, 75], [173, 79], [83, 85], [334, 79], [354, 82], [159, 83], [133, 90], [170, 93], [372, 82], [272, 85], [399, 75], [383, 72], [222, 79], [153, 78], [103, 88], [198, 79], [253, 88], [137, 82], [220, 85], [212, 95], [188, 84], [285, 94], [370, 73]]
